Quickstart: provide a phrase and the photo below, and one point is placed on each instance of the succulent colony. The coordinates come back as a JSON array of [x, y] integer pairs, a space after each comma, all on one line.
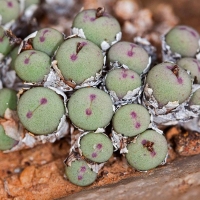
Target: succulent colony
[[98, 95]]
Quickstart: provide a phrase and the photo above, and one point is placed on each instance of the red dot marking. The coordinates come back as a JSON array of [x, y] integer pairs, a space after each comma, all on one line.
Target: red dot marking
[[92, 97], [83, 169], [88, 111], [132, 77], [94, 155], [43, 101], [92, 19], [29, 114], [143, 142], [197, 63], [99, 146], [133, 115], [73, 57], [130, 53], [137, 125], [42, 38], [80, 177], [1, 39], [190, 31], [153, 153], [10, 4], [26, 61], [180, 80]]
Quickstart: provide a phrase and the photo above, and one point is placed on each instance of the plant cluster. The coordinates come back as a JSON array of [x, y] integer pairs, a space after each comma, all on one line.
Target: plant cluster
[[106, 83]]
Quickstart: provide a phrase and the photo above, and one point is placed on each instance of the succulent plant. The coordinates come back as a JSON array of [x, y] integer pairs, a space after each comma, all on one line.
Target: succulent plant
[[79, 59], [9, 10], [149, 150], [121, 81], [130, 120], [169, 83], [80, 174], [129, 54], [8, 99], [192, 65], [31, 2], [13, 55], [40, 110], [183, 40], [96, 147], [5, 46], [97, 25], [195, 99], [47, 40], [6, 142], [90, 108], [32, 65]]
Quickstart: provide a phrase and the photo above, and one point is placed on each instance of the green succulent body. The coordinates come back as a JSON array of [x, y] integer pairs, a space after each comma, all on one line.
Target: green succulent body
[[121, 81], [192, 65], [5, 46], [47, 40], [79, 66], [183, 40], [6, 142], [31, 2], [13, 55], [167, 85], [195, 99], [80, 174], [129, 54], [99, 29], [40, 110], [32, 65], [9, 10], [96, 147], [149, 150], [130, 120], [90, 108], [8, 99]]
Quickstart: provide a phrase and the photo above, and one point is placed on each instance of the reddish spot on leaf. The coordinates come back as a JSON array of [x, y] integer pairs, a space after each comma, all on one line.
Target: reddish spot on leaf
[[99, 146], [137, 125], [133, 115], [88, 111], [80, 177], [29, 114], [73, 57], [153, 153], [83, 169], [143, 142], [132, 77], [130, 53], [26, 61], [92, 97], [43, 101], [10, 4], [180, 80], [94, 155]]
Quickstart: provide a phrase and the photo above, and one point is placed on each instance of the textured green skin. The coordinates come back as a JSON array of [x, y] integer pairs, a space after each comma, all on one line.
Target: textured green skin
[[101, 29], [89, 60], [31, 2], [6, 142], [5, 46], [8, 99], [13, 55], [189, 65], [9, 13], [53, 39], [124, 124], [73, 170], [38, 66], [138, 62], [102, 110], [182, 42], [165, 85], [118, 82], [195, 100], [45, 118], [140, 158], [88, 146]]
